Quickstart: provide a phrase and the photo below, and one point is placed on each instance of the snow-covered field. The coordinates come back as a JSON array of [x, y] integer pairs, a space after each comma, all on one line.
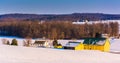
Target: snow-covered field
[[19, 54]]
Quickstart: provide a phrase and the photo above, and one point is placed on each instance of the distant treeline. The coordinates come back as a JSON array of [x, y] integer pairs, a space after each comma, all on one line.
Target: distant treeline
[[60, 17], [56, 29]]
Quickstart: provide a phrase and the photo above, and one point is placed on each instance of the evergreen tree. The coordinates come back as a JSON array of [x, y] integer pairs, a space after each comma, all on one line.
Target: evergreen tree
[[14, 42], [55, 42], [98, 35]]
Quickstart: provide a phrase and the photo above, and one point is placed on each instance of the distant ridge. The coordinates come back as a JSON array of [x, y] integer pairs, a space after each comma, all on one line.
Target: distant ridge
[[60, 17]]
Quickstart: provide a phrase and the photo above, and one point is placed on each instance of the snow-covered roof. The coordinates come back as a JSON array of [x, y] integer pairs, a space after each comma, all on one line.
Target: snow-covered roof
[[94, 41], [72, 44]]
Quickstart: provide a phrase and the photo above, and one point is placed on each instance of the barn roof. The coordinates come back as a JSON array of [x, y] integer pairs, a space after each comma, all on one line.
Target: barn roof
[[72, 44], [39, 42], [94, 41]]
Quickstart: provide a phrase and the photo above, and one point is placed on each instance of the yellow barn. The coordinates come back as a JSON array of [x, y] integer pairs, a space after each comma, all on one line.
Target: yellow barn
[[101, 44]]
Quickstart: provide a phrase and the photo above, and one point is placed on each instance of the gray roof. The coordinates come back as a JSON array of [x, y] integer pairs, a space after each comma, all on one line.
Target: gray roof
[[39, 42], [72, 44]]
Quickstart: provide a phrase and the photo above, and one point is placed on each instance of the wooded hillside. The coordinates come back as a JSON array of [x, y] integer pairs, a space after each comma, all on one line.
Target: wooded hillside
[[59, 17], [56, 29]]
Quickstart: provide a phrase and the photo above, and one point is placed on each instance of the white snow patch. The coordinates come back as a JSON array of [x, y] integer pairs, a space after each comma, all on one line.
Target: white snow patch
[[115, 45]]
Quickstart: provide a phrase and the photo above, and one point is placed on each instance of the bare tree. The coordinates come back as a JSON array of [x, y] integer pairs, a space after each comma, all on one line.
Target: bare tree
[[4, 41], [27, 42]]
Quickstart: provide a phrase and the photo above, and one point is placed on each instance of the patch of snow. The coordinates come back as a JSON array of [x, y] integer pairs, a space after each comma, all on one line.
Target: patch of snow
[[115, 45]]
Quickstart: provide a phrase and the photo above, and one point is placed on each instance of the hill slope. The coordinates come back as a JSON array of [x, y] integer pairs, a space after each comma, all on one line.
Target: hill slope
[[20, 54], [14, 54], [60, 17]]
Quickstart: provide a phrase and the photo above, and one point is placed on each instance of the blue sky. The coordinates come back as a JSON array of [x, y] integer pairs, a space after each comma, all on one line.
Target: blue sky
[[59, 6]]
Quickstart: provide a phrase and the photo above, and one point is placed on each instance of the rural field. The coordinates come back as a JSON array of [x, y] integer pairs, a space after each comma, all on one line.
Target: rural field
[[59, 31], [20, 54]]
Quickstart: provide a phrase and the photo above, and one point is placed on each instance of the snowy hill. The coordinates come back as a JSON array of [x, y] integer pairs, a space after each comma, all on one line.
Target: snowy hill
[[115, 45], [19, 54]]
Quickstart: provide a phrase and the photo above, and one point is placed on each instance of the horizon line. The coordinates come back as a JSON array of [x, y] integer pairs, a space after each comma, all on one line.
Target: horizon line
[[61, 13]]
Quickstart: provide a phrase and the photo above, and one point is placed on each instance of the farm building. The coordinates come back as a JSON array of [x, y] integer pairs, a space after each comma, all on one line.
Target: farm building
[[74, 45], [101, 44], [42, 43]]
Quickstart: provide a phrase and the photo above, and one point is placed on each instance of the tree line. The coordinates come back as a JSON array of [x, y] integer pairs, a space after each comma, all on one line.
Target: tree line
[[60, 17], [56, 29]]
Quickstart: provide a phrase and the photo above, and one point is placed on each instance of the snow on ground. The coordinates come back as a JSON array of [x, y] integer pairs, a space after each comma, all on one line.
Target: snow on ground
[[115, 45], [20, 40], [18, 54]]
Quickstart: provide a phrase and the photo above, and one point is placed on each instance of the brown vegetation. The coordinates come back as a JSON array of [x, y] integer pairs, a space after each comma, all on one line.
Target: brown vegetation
[[56, 30]]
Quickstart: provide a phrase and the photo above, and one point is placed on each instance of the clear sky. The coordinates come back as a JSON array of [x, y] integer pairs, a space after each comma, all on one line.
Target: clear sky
[[59, 6]]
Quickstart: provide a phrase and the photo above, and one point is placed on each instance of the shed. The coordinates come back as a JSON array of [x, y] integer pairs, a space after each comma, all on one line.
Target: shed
[[39, 43], [42, 43]]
